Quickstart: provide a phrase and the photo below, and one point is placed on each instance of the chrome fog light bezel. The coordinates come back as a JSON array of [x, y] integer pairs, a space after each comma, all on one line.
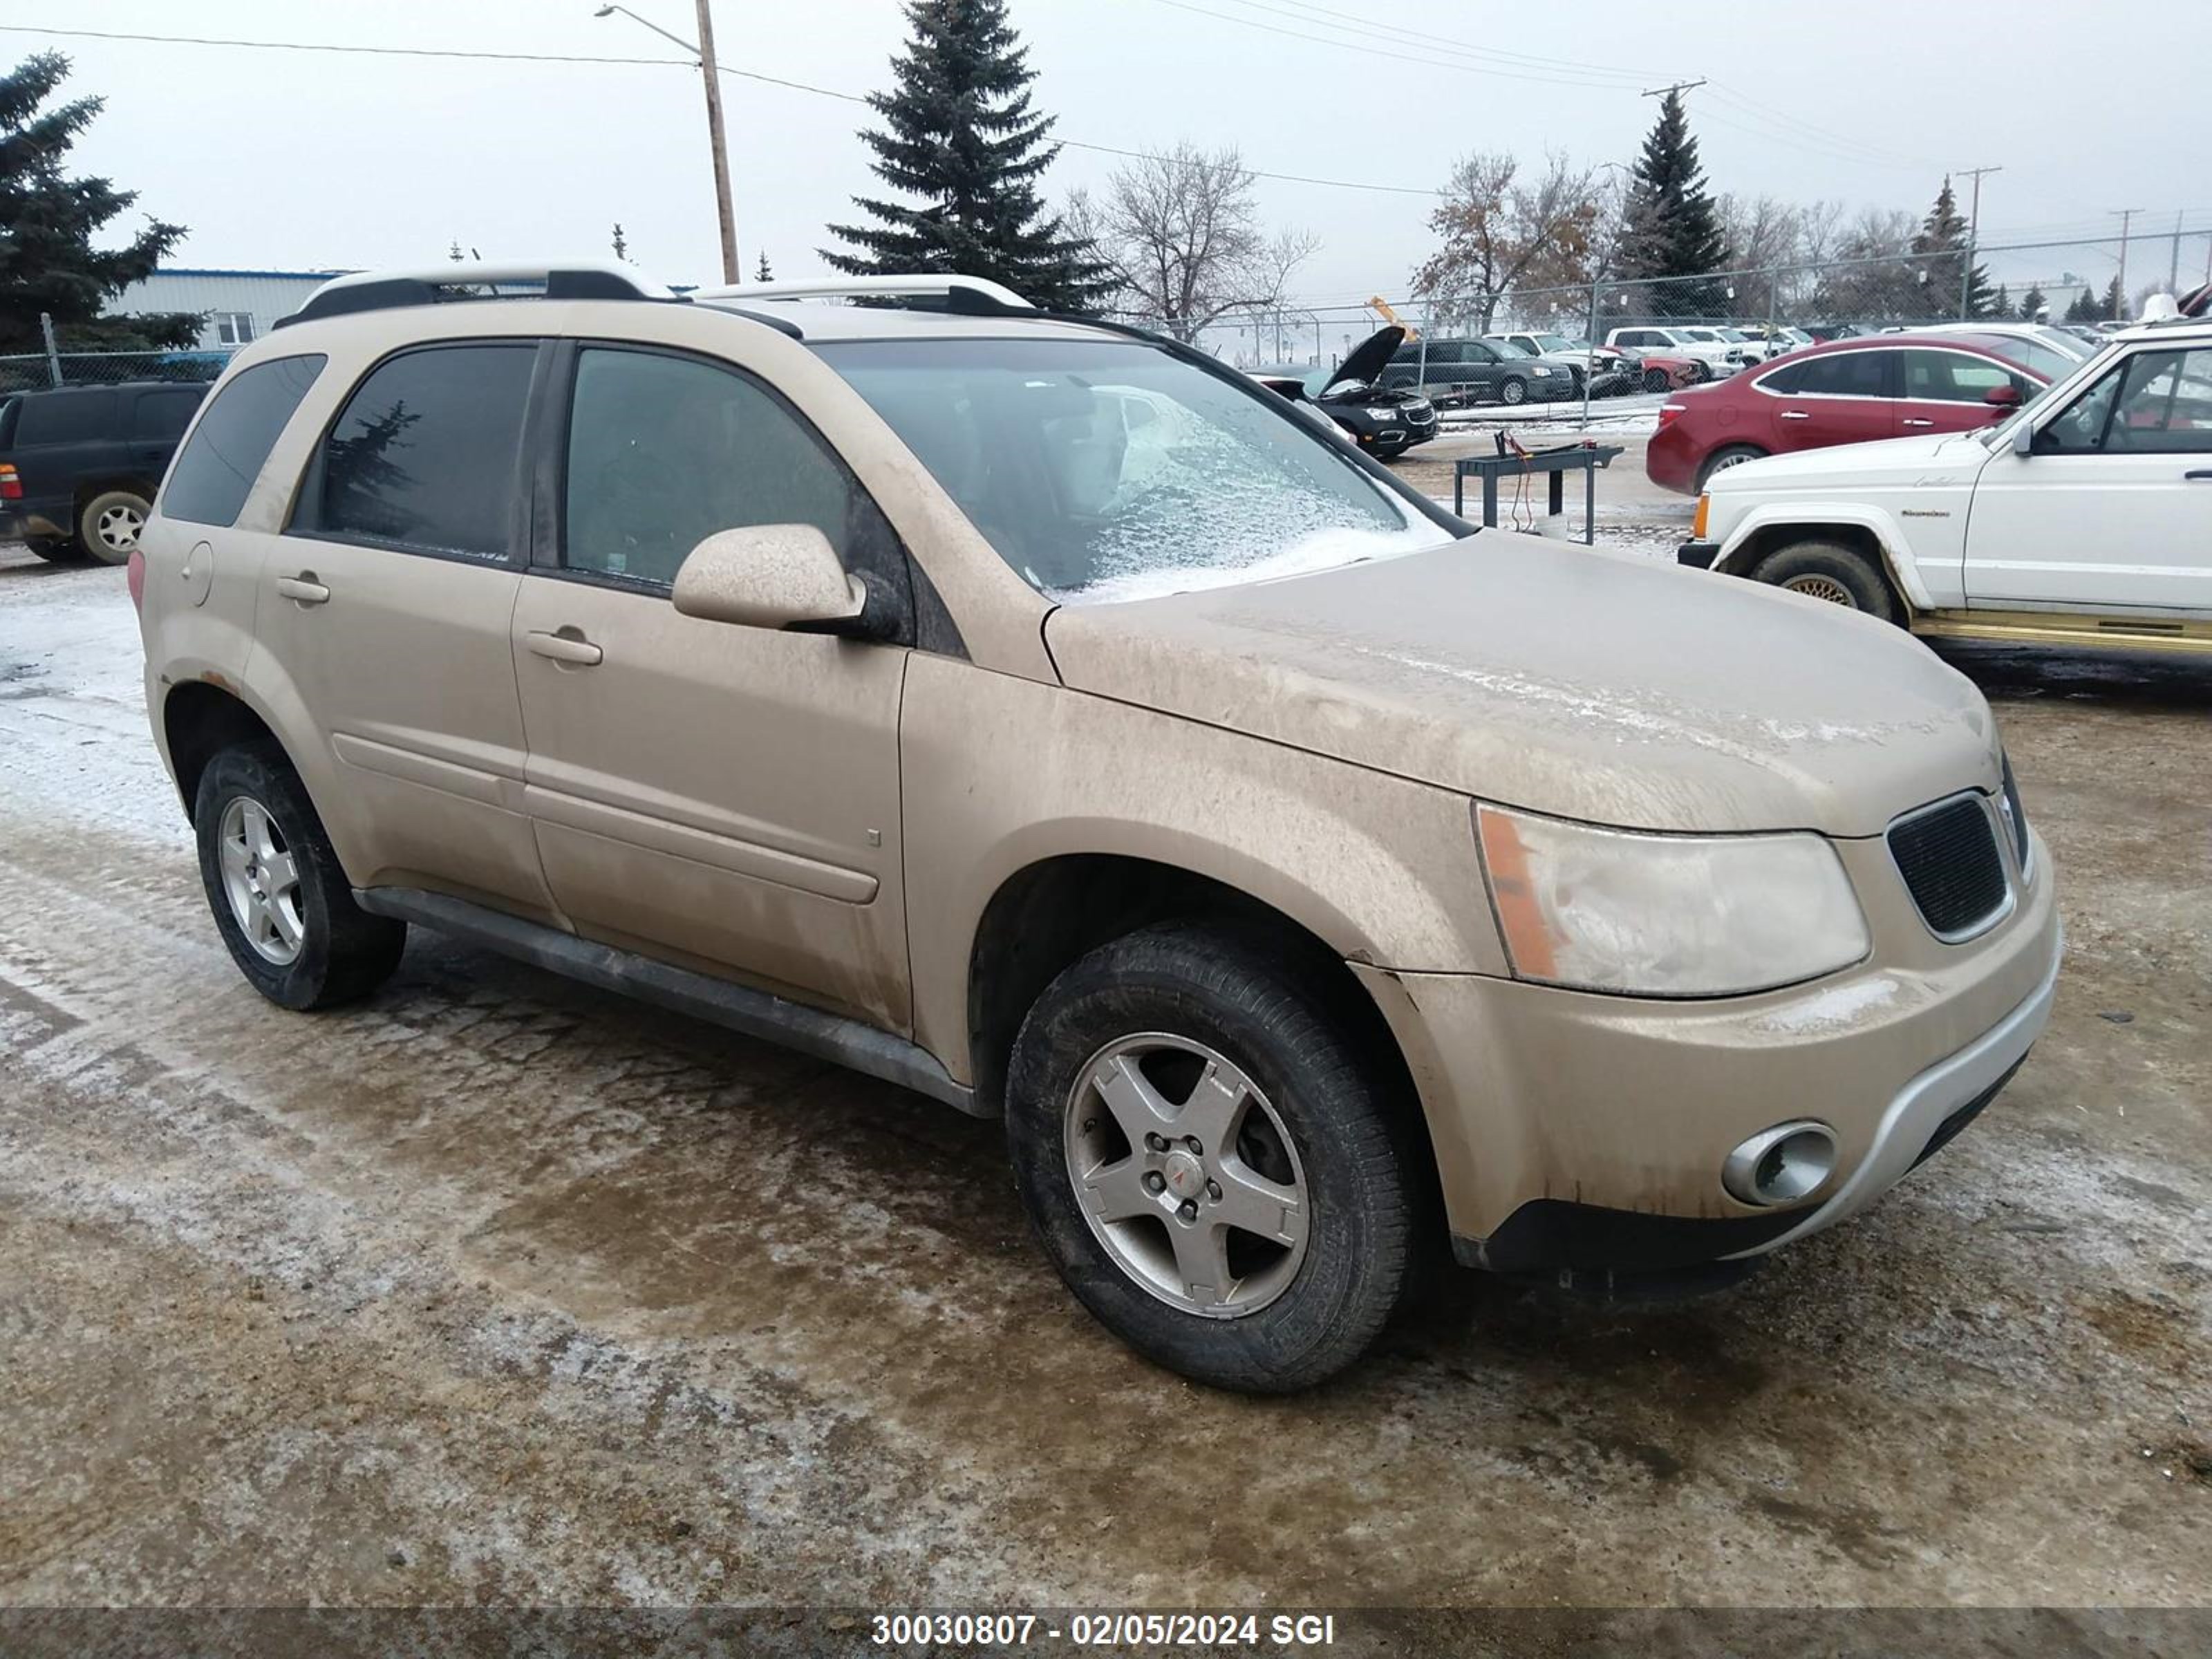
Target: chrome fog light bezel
[[1784, 1164]]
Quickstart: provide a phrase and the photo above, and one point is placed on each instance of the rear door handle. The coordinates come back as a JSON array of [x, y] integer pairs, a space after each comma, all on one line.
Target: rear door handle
[[303, 588], [2201, 474], [1914, 420], [567, 648], [1794, 414]]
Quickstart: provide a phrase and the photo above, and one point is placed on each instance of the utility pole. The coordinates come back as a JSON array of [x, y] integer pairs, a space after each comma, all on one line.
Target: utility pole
[[2174, 266], [1973, 236], [1677, 85], [704, 51], [2124, 215]]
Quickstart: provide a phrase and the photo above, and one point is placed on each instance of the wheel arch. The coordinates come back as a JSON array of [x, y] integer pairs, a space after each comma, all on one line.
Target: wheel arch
[[200, 718], [1866, 531]]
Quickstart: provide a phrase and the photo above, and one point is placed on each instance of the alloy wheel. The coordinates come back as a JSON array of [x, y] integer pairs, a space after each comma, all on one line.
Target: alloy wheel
[[1186, 1175], [261, 880], [1815, 587], [118, 529]]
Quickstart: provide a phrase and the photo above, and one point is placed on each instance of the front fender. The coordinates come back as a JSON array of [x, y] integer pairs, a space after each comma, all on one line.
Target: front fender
[[1747, 535]]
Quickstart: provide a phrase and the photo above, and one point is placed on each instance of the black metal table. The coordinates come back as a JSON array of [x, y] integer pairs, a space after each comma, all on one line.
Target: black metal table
[[1554, 463]]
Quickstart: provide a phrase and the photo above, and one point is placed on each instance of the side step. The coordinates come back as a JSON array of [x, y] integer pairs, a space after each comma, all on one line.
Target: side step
[[2160, 634], [738, 1007]]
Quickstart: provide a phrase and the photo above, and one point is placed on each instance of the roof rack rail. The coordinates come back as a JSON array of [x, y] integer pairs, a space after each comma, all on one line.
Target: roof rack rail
[[978, 295], [461, 280]]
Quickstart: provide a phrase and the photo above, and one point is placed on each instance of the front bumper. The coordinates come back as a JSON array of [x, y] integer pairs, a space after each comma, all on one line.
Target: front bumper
[[1697, 554], [1574, 1130]]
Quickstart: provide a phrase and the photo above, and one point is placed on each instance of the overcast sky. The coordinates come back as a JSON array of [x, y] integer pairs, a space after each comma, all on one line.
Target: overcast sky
[[288, 159]]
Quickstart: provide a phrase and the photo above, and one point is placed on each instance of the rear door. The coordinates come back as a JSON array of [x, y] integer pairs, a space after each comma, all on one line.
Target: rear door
[[705, 793], [1947, 391], [2112, 510], [1837, 397], [384, 610]]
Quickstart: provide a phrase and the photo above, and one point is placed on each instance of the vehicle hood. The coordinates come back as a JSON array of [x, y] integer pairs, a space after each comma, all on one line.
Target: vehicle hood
[[1929, 459], [1602, 686], [1368, 358]]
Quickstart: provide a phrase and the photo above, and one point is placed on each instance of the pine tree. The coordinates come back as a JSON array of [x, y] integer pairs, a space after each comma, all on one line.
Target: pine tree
[[47, 222], [1672, 228], [2000, 303], [760, 272], [2032, 303], [1941, 248], [2114, 306], [2083, 308], [960, 136]]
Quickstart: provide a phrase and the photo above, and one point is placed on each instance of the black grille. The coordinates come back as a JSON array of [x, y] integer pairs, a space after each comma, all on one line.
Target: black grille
[[1949, 858]]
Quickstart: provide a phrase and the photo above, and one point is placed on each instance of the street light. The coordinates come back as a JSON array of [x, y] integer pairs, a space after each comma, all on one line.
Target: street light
[[704, 51]]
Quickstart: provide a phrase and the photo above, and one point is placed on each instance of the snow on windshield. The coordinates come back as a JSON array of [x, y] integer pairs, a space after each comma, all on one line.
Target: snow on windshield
[[1105, 471]]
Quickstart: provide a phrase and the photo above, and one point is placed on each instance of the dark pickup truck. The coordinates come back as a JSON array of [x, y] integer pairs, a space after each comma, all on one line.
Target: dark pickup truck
[[79, 464]]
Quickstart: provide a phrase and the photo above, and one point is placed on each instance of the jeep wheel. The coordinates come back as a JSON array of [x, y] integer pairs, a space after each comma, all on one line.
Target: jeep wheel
[[1721, 459], [1513, 390], [281, 901], [1823, 570], [109, 525], [1208, 1163]]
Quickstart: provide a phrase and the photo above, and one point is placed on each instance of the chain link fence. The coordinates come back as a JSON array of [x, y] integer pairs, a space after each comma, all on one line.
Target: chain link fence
[[1768, 309], [37, 371]]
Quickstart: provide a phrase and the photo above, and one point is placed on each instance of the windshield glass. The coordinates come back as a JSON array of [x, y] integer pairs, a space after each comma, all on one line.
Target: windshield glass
[[1103, 471], [1553, 343], [1734, 336], [1505, 348]]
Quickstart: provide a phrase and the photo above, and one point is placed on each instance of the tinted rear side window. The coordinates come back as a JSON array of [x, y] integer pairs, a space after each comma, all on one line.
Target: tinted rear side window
[[424, 455], [164, 414], [1847, 375], [214, 471], [65, 417]]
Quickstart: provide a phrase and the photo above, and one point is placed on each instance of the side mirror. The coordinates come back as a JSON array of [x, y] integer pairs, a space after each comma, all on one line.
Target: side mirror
[[770, 576], [2023, 439], [2003, 397]]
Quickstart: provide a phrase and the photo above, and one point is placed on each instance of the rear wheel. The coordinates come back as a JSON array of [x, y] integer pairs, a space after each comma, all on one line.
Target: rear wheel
[[109, 525], [281, 900], [55, 549], [1721, 459], [1209, 1162], [1826, 570]]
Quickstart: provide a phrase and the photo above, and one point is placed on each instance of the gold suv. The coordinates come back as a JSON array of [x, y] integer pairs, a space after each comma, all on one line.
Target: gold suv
[[1033, 712]]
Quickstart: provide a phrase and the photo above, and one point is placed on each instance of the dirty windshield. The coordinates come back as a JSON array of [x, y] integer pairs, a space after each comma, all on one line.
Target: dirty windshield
[[1103, 471]]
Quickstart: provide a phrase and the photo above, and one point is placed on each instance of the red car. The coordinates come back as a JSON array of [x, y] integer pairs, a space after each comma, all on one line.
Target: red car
[[1847, 392]]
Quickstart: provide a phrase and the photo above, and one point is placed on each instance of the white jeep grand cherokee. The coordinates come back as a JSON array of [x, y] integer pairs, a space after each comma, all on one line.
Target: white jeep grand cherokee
[[2087, 516]]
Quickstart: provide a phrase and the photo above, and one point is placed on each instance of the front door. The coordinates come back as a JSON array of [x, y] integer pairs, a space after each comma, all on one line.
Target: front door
[[723, 797], [385, 607], [1947, 391], [2112, 508]]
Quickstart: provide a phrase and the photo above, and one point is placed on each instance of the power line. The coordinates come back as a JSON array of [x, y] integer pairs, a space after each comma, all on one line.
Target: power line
[[664, 63]]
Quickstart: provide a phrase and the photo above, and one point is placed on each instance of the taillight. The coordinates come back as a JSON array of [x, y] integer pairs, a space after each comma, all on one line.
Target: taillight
[[11, 483], [1668, 411], [136, 577]]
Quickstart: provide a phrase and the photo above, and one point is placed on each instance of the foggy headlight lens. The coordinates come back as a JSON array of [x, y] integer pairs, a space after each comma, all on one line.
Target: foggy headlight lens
[[1667, 915]]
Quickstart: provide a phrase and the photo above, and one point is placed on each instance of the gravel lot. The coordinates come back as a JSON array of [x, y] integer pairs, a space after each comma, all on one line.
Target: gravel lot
[[497, 1288]]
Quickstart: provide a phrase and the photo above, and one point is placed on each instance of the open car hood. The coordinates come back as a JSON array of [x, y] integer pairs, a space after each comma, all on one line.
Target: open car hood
[[1368, 358]]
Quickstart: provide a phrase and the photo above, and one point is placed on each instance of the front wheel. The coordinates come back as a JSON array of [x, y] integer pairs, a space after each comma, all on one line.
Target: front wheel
[[1828, 571], [281, 900], [1209, 1162], [109, 525], [1514, 389], [1654, 379]]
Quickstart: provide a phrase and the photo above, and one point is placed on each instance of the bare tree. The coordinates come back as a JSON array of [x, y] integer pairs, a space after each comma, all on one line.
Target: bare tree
[[1183, 236], [1498, 233], [1763, 235]]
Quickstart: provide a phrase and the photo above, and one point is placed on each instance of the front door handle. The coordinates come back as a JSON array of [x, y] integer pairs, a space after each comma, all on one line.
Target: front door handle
[[572, 648], [2200, 475], [1914, 420], [303, 588], [1794, 414]]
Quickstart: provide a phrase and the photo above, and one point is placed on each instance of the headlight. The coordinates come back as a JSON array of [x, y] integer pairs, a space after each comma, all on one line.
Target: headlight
[[1667, 915], [1539, 371]]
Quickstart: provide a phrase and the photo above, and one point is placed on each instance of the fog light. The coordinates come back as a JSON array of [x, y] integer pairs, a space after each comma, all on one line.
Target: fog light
[[1781, 1165]]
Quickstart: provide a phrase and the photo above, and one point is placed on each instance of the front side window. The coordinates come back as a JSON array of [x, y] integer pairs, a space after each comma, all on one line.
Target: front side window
[[664, 450], [1030, 438], [1952, 377], [2156, 402], [425, 456], [224, 455], [1846, 375]]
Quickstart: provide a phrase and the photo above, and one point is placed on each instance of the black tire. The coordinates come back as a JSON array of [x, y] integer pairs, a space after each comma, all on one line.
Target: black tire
[[1656, 379], [1357, 1158], [344, 953], [1726, 456], [106, 529], [1842, 575], [54, 549], [1512, 390]]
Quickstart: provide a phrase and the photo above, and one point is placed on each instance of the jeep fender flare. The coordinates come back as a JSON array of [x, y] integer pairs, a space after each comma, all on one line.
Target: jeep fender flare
[[1749, 540]]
